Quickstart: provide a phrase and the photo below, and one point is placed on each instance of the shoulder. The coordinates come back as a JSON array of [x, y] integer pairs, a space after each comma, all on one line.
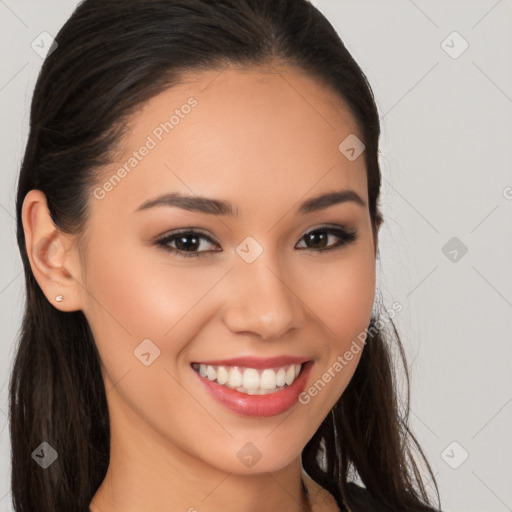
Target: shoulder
[[356, 498], [319, 498], [360, 500]]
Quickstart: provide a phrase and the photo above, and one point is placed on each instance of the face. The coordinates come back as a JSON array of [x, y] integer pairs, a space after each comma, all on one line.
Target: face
[[261, 276]]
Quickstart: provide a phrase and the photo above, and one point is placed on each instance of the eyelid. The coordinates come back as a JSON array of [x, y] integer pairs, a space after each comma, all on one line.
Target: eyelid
[[344, 234], [188, 230], [164, 240], [340, 227]]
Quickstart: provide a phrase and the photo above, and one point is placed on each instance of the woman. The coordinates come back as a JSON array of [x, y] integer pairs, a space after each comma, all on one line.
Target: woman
[[197, 215]]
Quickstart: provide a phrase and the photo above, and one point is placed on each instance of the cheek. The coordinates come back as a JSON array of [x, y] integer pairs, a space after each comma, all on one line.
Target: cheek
[[157, 303], [129, 301], [342, 298], [140, 298]]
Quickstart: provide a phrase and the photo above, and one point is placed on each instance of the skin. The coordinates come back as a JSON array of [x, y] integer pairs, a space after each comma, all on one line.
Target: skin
[[264, 140]]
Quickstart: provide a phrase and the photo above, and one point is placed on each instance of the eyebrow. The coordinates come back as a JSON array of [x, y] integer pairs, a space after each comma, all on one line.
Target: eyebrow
[[218, 207]]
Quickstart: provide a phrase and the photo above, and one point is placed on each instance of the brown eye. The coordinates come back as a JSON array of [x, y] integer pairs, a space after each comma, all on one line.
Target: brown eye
[[317, 239], [187, 243]]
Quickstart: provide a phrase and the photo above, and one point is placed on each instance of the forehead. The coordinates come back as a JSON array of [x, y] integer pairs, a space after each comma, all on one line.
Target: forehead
[[238, 134]]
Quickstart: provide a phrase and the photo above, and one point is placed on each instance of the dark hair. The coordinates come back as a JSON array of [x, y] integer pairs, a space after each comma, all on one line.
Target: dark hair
[[112, 56]]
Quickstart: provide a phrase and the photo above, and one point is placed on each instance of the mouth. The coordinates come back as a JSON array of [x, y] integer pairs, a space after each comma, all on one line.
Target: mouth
[[262, 389], [248, 380]]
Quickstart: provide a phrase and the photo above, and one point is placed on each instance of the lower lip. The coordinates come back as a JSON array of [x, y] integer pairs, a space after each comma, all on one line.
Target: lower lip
[[258, 405]]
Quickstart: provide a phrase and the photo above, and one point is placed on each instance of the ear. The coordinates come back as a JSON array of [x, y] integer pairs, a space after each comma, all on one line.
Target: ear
[[54, 260]]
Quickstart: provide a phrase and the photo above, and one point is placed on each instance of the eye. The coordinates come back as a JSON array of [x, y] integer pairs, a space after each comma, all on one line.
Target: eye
[[188, 242], [319, 237]]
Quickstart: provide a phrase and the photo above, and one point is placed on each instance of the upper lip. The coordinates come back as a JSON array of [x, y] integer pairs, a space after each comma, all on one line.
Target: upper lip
[[257, 362]]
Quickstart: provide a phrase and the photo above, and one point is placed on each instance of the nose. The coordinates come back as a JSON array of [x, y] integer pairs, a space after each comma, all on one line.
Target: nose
[[262, 301]]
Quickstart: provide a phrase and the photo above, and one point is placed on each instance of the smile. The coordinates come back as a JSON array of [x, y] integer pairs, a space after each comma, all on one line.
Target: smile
[[251, 381]]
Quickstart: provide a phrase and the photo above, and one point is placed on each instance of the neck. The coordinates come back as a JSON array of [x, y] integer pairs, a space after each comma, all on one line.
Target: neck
[[148, 472]]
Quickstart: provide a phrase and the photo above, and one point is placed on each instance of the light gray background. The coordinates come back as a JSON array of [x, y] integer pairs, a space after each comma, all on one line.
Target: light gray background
[[446, 163]]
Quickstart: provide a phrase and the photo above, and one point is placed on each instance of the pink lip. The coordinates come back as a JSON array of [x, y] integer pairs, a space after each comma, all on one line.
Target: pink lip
[[258, 405], [257, 362]]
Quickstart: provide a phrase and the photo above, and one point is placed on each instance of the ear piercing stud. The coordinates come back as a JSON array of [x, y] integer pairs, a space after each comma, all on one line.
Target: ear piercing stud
[[59, 298]]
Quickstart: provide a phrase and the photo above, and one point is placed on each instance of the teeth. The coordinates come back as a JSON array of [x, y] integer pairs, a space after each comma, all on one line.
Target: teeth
[[235, 377], [281, 377], [222, 375], [250, 380], [211, 372], [290, 375], [268, 379]]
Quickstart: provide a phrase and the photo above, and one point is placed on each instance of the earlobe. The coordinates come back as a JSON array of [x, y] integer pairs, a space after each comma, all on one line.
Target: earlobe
[[47, 252]]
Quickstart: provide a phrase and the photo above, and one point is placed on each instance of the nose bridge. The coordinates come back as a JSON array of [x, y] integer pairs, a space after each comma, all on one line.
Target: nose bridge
[[261, 300]]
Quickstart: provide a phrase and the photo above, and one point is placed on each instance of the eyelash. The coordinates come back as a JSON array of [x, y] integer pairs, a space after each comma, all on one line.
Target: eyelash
[[345, 237]]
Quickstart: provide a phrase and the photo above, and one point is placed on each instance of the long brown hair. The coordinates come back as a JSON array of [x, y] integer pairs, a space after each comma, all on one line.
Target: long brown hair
[[112, 56]]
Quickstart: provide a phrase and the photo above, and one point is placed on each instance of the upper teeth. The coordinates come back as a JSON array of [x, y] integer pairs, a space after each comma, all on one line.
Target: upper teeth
[[249, 379]]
